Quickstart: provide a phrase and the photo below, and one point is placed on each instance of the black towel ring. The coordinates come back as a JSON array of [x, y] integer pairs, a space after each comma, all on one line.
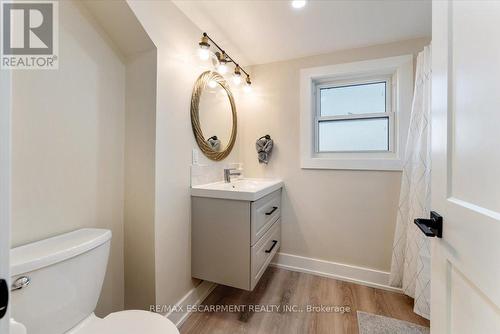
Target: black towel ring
[[213, 137], [266, 137]]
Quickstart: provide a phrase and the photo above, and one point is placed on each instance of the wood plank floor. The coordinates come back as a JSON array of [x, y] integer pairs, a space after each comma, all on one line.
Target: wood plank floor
[[283, 288]]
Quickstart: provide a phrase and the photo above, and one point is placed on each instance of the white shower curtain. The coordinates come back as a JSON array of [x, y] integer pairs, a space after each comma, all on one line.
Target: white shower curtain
[[410, 268]]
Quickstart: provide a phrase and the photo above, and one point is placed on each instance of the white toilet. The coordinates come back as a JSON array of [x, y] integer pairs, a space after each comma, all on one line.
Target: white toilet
[[60, 280]]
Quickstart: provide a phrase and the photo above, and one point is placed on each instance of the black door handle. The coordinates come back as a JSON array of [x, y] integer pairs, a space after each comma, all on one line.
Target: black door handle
[[275, 242], [4, 297], [432, 227], [271, 212]]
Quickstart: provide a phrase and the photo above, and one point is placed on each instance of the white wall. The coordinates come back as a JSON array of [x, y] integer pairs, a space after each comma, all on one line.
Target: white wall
[[68, 144], [335, 215], [176, 38]]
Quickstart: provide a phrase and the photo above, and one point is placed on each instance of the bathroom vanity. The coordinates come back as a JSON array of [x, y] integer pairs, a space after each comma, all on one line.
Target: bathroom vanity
[[235, 230]]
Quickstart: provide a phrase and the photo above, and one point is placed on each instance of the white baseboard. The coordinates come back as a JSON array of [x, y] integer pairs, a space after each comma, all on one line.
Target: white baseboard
[[194, 297], [364, 276]]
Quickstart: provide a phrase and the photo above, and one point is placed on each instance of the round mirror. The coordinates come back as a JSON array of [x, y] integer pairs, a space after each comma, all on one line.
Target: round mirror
[[213, 115]]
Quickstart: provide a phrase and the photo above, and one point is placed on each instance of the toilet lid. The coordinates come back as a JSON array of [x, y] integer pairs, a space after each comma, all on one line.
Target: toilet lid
[[131, 322]]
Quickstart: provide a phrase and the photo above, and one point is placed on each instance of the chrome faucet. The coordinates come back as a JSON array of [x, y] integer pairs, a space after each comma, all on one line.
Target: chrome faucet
[[228, 172]]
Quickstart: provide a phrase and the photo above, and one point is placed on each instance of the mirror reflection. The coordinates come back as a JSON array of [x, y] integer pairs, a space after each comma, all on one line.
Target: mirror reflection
[[216, 118]]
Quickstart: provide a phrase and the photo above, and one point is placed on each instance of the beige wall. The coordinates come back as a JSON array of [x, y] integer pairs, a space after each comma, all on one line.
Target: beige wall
[[140, 134], [335, 215], [68, 145]]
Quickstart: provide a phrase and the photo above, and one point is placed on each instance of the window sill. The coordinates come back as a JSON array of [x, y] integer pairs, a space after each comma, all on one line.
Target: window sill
[[386, 164]]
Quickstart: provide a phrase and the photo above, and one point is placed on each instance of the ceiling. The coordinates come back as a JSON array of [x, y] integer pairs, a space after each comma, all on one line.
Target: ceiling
[[257, 32], [121, 25]]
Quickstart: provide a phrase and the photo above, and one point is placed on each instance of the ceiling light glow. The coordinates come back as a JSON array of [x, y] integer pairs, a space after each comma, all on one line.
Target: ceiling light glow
[[298, 3]]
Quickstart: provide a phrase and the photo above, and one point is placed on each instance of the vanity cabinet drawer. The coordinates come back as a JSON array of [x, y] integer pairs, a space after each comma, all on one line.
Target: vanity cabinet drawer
[[264, 212], [263, 252]]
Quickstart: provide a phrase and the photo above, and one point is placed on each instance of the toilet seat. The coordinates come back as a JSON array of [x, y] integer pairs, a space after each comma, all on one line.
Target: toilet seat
[[129, 322]]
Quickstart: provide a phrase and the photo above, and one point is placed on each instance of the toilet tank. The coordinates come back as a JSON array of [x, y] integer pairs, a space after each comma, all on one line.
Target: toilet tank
[[65, 275]]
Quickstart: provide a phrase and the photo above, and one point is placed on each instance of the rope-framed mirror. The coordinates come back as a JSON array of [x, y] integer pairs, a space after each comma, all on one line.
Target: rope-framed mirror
[[207, 83]]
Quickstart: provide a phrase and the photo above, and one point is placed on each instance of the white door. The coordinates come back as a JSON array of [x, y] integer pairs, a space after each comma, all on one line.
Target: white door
[[5, 124], [465, 288]]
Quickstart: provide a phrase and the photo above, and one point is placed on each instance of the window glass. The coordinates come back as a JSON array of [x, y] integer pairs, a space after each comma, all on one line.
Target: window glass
[[353, 100], [368, 134]]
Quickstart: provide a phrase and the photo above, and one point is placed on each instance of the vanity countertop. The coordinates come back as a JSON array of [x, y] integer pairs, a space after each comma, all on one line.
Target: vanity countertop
[[243, 189]]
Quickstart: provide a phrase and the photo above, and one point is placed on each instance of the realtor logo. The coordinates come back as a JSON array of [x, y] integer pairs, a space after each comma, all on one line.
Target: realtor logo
[[29, 35]]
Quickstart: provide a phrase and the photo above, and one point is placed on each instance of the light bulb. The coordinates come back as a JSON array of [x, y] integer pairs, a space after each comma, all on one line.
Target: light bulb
[[237, 75], [247, 88], [222, 68], [298, 3], [221, 62], [212, 84], [236, 79], [204, 50], [203, 53]]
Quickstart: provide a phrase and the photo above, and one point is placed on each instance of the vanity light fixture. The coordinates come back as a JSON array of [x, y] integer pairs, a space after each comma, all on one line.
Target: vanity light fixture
[[204, 50], [223, 60], [297, 4], [237, 75], [248, 85]]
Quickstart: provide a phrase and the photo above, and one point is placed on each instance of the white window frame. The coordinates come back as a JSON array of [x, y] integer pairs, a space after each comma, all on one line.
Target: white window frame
[[352, 82], [397, 71]]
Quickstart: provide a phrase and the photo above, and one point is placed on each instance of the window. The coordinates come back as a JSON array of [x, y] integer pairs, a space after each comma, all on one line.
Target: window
[[355, 116]]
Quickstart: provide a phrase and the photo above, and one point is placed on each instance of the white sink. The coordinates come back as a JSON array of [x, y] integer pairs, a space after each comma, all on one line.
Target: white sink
[[242, 189]]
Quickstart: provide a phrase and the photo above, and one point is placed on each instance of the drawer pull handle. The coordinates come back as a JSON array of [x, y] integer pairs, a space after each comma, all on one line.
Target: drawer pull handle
[[271, 212], [275, 242]]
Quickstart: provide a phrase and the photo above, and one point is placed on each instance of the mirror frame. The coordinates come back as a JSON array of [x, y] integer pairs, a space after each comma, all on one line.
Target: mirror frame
[[198, 89]]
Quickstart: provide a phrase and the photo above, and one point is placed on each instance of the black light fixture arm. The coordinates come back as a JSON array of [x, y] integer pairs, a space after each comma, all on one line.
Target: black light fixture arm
[[222, 50]]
